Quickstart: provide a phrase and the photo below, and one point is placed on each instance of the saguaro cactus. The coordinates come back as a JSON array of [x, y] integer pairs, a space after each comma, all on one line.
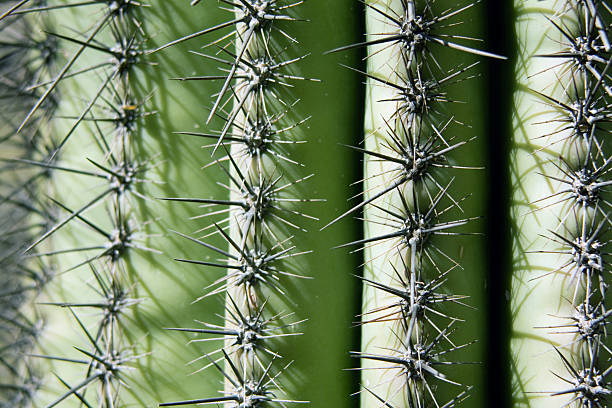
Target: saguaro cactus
[[175, 175]]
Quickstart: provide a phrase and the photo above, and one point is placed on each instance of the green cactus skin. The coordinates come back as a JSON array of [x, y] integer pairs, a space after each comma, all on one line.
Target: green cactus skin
[[559, 173]]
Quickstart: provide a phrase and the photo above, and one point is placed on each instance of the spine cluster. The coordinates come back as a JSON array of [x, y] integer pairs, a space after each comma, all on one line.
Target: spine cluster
[[578, 117], [88, 152], [261, 207], [409, 206]]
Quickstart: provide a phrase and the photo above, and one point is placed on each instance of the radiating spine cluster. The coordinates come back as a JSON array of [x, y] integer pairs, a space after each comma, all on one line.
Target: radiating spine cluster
[[106, 49], [408, 206], [574, 145], [253, 149]]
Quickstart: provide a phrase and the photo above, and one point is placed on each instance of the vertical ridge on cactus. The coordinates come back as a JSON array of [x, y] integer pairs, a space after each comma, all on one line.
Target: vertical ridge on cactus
[[88, 308], [107, 353], [408, 205], [562, 266], [260, 230]]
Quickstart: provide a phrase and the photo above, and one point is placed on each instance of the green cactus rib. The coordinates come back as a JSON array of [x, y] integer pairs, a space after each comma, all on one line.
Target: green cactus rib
[[252, 127], [412, 151], [255, 148], [561, 164], [92, 181], [263, 228], [113, 113]]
